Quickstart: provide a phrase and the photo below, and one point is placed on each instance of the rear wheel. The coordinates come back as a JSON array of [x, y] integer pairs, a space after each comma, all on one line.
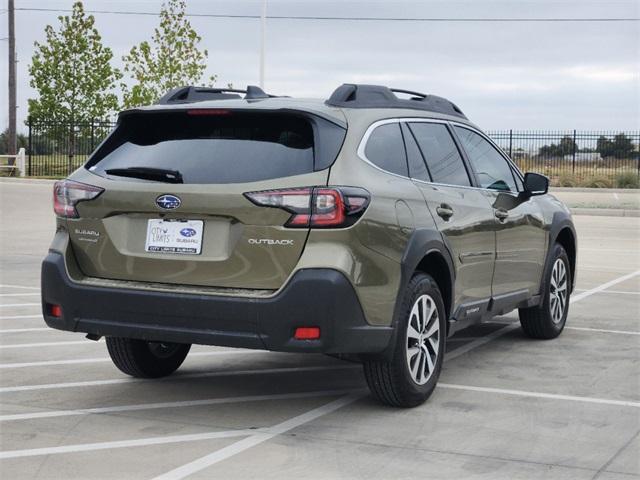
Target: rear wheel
[[411, 376], [143, 359], [547, 319]]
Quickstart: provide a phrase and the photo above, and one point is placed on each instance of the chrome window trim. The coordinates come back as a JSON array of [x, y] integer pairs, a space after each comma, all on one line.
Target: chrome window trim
[[365, 138]]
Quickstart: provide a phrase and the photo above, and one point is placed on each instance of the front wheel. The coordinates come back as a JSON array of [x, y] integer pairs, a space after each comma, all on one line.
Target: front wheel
[[547, 320], [143, 359], [411, 376]]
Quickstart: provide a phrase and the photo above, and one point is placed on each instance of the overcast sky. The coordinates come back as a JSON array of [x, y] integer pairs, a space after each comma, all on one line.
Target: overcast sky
[[503, 75]]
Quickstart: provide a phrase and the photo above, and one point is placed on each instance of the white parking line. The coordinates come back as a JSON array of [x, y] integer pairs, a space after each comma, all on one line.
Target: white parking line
[[610, 291], [139, 442], [247, 443], [75, 361], [604, 286], [553, 396], [450, 356], [7, 305], [16, 317], [256, 439], [120, 381], [176, 404], [45, 344], [603, 330], [23, 330], [480, 341], [20, 287]]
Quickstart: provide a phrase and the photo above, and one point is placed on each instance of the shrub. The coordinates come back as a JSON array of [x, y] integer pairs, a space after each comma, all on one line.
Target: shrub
[[567, 181], [627, 180], [597, 182]]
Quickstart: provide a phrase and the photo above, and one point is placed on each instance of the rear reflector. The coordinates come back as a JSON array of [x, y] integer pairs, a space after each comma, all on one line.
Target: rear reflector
[[307, 333], [55, 310]]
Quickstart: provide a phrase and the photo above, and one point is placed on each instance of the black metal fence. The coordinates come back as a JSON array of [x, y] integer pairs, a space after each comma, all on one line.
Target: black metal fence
[[576, 158], [569, 158], [56, 149]]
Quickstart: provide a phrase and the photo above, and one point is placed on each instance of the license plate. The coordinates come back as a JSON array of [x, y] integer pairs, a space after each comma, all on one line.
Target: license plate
[[174, 236]]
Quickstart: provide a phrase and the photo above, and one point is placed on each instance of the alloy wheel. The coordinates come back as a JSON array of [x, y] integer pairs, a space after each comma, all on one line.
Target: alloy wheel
[[558, 291], [423, 339]]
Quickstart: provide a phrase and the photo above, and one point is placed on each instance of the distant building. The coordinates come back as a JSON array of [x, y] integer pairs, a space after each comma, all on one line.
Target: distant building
[[584, 157]]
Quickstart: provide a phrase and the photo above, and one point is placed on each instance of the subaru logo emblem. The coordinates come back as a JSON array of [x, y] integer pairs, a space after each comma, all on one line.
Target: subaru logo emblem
[[168, 202], [187, 232]]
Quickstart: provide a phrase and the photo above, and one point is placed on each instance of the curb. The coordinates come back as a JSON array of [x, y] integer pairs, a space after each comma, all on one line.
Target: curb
[[593, 190], [605, 212], [27, 181]]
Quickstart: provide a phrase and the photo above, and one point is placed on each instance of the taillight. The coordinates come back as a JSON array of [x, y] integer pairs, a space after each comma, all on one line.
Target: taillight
[[67, 194], [316, 207]]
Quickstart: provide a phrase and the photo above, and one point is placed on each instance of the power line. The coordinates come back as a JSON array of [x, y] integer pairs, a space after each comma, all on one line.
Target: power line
[[353, 19]]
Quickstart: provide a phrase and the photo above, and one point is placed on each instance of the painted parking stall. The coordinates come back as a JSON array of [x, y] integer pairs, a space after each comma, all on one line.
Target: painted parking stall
[[505, 403]]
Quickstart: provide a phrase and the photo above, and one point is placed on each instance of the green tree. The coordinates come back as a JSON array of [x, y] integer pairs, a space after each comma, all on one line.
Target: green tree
[[172, 58], [21, 140], [620, 147], [565, 147], [73, 76], [72, 72]]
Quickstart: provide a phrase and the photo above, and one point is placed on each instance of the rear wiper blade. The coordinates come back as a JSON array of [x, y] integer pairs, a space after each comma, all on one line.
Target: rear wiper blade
[[148, 173]]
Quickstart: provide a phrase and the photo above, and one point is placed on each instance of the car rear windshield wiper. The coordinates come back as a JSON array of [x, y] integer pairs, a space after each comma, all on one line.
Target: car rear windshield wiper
[[148, 173]]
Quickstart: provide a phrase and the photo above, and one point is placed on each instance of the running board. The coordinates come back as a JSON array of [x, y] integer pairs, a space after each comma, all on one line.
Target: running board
[[482, 310]]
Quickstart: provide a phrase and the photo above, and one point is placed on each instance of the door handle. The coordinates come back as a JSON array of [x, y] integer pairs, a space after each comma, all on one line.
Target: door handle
[[444, 211], [501, 214]]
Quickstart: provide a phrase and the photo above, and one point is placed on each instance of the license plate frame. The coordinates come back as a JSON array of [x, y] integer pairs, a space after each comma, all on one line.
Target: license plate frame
[[174, 236]]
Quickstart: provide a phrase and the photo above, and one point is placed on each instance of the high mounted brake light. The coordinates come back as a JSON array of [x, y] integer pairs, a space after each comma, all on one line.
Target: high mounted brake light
[[67, 194], [316, 207], [208, 111]]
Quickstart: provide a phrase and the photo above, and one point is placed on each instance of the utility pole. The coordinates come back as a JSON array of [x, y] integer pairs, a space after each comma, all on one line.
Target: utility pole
[[263, 33], [12, 81]]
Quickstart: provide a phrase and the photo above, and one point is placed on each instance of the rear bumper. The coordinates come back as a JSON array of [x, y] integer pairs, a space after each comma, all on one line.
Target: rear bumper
[[313, 297]]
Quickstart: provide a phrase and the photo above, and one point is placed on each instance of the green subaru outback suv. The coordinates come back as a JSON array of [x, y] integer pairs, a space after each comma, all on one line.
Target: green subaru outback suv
[[369, 226]]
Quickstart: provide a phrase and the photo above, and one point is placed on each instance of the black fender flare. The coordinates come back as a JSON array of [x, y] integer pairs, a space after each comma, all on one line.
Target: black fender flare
[[421, 243], [561, 220]]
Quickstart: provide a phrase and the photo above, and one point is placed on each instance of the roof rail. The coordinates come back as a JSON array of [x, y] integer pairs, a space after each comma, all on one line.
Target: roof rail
[[190, 94], [351, 95]]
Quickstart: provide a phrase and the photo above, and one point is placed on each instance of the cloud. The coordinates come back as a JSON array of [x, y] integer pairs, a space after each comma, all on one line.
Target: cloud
[[524, 75], [604, 73]]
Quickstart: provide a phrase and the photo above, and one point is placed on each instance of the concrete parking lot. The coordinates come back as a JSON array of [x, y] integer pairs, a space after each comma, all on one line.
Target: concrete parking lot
[[507, 406]]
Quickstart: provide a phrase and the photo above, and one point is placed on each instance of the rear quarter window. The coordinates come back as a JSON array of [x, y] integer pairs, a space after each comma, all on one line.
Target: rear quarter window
[[229, 147], [385, 149]]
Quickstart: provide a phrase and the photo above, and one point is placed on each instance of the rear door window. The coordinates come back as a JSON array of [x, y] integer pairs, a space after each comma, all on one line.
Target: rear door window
[[441, 154], [212, 147], [385, 149]]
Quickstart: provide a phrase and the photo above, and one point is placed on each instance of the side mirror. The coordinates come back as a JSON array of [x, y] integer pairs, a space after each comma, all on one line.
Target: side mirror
[[535, 184]]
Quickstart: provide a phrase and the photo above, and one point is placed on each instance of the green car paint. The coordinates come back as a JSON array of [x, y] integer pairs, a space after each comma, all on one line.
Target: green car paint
[[248, 252]]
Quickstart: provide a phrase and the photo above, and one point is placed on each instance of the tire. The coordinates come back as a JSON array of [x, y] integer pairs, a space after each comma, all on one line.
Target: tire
[[547, 320], [143, 359], [408, 380]]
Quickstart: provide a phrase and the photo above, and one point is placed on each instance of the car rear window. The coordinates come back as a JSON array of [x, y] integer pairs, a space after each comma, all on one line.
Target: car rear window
[[212, 147]]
